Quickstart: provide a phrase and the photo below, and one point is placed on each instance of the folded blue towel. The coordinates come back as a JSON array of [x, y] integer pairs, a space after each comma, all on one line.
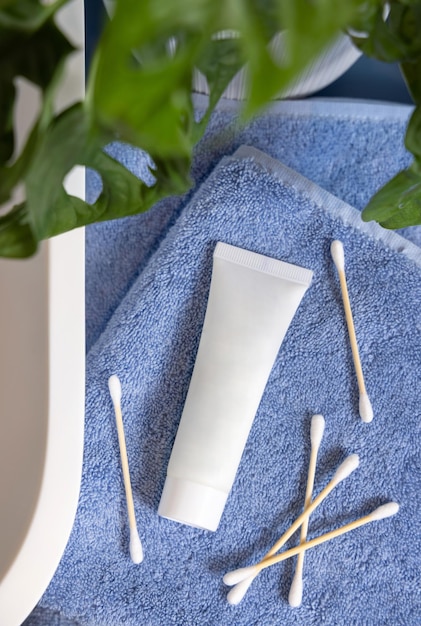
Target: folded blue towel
[[368, 577], [348, 148]]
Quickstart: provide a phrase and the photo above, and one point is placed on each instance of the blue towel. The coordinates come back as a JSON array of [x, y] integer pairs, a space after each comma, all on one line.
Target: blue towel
[[348, 148], [368, 577]]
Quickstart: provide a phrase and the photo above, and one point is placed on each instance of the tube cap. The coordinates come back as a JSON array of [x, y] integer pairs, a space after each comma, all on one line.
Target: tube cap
[[191, 503]]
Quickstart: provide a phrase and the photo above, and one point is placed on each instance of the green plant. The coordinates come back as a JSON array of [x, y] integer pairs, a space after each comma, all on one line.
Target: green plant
[[140, 93]]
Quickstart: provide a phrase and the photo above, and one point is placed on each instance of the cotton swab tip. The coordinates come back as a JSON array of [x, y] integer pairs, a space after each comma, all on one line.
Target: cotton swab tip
[[386, 510], [237, 575], [317, 430], [136, 550], [296, 591], [366, 410], [338, 255], [347, 467], [114, 386], [237, 593]]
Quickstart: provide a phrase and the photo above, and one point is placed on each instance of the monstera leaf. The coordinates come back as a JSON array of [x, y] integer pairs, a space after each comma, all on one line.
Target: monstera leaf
[[139, 91]]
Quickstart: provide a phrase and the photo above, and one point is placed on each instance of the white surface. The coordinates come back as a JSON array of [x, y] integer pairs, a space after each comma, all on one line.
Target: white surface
[[192, 503], [42, 391]]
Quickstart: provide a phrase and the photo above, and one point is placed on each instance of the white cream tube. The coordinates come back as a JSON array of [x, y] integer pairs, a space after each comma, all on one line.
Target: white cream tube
[[252, 301]]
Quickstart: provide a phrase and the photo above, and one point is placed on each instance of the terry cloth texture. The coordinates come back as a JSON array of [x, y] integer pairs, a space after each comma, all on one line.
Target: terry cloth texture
[[368, 577], [348, 148]]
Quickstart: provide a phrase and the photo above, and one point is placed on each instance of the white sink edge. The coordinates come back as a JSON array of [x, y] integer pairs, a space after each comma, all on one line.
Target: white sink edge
[[45, 541], [43, 544]]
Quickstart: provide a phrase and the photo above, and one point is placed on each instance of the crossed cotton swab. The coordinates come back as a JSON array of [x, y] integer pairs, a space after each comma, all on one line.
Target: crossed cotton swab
[[338, 256], [235, 595], [241, 576], [136, 550], [316, 434]]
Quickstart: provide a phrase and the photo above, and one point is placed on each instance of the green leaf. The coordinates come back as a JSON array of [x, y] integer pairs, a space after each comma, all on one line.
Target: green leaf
[[149, 104], [7, 96], [413, 133], [123, 194], [254, 35], [309, 28], [150, 108], [39, 56], [393, 38], [365, 17], [71, 140], [27, 15], [398, 203], [139, 91], [405, 23], [219, 62], [16, 237], [173, 175], [411, 71], [67, 142], [36, 57], [12, 175], [6, 3]]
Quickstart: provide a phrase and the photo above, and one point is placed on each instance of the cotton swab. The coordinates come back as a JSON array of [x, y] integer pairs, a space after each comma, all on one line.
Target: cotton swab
[[241, 575], [338, 256], [316, 434], [345, 469], [136, 550]]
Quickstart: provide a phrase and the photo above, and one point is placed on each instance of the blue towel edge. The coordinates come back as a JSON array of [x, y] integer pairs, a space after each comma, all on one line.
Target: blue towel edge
[[332, 205], [340, 108]]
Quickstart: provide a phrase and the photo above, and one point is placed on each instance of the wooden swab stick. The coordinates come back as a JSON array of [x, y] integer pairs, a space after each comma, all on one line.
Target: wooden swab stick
[[239, 576], [338, 256], [316, 434], [345, 469], [136, 550]]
